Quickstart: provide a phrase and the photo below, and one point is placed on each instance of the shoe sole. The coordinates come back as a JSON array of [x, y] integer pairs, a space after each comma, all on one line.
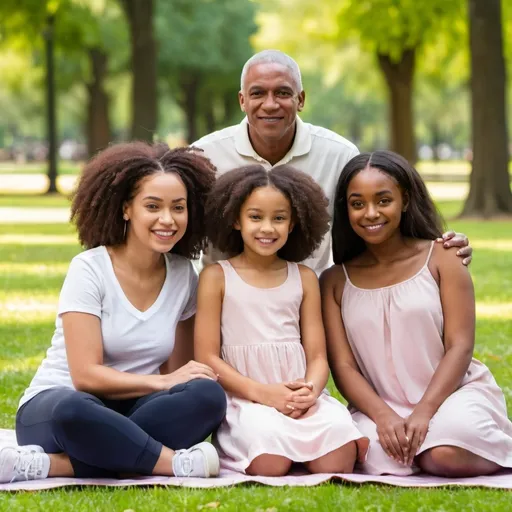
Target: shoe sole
[[212, 459]]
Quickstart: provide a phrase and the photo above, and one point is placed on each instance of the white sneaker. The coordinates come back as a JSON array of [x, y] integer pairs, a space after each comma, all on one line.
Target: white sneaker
[[31, 448], [18, 463], [201, 460]]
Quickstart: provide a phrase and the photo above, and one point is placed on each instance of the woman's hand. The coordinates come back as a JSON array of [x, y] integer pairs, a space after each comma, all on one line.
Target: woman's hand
[[190, 371], [416, 428], [392, 436]]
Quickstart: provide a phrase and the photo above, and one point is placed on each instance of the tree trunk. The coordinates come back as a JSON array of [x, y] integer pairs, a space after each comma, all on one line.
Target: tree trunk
[[489, 193], [143, 63], [209, 116], [98, 121], [399, 78], [190, 88], [50, 104]]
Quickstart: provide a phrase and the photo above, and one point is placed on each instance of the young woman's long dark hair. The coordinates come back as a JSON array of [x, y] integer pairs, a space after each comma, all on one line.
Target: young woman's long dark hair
[[421, 220]]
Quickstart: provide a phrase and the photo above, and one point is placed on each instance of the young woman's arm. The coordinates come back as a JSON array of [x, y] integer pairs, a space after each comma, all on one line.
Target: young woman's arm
[[458, 302], [347, 375], [207, 343], [84, 348]]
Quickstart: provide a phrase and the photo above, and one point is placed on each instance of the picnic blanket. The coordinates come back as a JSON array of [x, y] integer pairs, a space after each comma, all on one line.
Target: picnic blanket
[[502, 480]]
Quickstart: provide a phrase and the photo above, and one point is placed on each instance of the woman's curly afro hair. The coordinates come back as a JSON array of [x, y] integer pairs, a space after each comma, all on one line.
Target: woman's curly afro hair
[[111, 179], [307, 200]]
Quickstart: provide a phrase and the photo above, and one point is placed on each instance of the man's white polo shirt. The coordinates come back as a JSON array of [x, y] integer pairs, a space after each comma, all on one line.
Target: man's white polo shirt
[[316, 151]]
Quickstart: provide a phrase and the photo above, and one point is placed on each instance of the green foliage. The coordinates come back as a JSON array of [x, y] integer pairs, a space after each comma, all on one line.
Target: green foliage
[[204, 43]]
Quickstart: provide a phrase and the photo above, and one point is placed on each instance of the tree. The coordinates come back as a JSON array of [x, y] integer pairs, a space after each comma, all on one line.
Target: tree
[[140, 16], [201, 57], [394, 31], [489, 193]]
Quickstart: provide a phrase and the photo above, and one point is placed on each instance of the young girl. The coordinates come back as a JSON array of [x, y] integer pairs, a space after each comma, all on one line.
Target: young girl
[[259, 327], [117, 391], [401, 349]]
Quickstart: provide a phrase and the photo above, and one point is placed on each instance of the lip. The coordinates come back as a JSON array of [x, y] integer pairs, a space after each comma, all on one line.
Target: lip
[[374, 228], [266, 241], [270, 119], [165, 237]]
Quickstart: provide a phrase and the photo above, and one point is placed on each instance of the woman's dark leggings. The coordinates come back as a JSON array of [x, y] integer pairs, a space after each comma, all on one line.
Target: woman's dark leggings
[[106, 437]]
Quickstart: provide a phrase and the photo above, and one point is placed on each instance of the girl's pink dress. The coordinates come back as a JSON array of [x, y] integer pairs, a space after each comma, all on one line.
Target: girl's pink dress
[[396, 335], [261, 340]]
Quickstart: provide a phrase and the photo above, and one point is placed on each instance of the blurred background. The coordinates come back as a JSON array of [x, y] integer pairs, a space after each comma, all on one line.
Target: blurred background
[[424, 78]]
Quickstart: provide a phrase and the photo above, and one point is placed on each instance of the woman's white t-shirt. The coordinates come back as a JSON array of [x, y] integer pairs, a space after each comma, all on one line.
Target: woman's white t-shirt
[[133, 341]]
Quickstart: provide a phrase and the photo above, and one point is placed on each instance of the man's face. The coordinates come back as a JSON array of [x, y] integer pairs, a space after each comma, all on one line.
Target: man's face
[[271, 100]]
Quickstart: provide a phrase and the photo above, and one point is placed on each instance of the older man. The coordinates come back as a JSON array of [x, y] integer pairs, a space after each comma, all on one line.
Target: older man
[[272, 134]]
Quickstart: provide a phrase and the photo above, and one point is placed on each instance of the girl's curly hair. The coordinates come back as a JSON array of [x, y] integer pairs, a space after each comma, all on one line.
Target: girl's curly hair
[[307, 200], [111, 179]]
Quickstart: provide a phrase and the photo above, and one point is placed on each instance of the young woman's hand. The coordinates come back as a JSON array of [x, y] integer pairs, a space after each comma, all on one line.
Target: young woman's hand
[[392, 436], [416, 428], [190, 371]]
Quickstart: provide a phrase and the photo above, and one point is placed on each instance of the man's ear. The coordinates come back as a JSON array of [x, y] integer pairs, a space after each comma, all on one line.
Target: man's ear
[[302, 100], [241, 100]]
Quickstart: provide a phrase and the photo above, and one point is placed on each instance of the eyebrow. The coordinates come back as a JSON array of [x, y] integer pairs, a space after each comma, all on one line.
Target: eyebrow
[[282, 210], [154, 198], [278, 88], [380, 193]]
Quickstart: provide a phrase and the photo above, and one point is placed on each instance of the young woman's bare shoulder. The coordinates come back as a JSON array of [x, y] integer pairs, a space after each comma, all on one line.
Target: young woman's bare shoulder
[[332, 276]]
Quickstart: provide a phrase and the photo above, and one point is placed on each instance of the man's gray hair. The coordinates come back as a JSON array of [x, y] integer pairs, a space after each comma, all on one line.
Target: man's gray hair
[[273, 57]]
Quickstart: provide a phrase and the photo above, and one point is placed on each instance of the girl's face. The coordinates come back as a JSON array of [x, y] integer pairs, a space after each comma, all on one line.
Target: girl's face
[[158, 213], [265, 221], [375, 203]]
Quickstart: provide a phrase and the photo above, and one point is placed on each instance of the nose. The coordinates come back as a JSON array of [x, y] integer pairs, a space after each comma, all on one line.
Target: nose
[[166, 217], [372, 212], [267, 227], [270, 102]]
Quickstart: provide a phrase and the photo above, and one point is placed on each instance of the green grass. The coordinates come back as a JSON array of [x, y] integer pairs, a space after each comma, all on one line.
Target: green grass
[[33, 262], [64, 168], [34, 201]]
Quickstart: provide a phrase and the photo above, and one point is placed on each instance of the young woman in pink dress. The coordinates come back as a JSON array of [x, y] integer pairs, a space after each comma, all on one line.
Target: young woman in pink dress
[[399, 312], [259, 326]]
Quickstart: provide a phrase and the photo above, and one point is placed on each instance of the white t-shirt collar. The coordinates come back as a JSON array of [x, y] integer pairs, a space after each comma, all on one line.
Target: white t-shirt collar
[[301, 143]]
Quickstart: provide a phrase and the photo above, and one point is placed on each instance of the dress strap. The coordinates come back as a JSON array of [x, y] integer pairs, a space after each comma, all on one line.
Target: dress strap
[[430, 252], [345, 272]]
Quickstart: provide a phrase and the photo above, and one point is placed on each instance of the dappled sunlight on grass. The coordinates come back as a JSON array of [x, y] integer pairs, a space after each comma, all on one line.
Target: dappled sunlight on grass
[[21, 365], [501, 310], [38, 239], [46, 269]]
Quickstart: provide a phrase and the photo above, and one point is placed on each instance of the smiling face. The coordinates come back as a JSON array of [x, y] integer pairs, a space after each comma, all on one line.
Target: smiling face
[[158, 213], [265, 221], [375, 204], [271, 101]]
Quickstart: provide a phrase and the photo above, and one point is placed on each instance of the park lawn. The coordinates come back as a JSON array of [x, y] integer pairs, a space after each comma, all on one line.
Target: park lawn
[[33, 263]]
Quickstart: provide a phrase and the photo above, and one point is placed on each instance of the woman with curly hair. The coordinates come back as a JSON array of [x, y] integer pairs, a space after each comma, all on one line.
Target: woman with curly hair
[[399, 313], [118, 392], [259, 327]]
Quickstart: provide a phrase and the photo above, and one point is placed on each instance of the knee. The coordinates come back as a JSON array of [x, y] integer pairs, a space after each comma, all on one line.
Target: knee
[[441, 461], [269, 465], [210, 398], [71, 410], [341, 460]]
